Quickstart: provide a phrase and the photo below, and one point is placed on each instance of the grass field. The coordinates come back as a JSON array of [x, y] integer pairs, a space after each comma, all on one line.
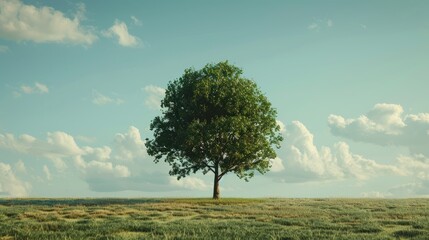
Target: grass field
[[209, 219]]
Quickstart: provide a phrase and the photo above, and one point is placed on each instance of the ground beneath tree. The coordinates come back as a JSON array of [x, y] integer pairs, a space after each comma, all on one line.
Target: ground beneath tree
[[214, 219]]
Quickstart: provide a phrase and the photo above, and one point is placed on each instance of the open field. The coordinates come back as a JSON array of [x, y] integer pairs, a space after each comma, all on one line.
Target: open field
[[209, 219]]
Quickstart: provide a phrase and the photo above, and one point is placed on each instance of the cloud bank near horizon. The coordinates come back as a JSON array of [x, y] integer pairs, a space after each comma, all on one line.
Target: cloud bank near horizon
[[306, 162], [387, 125], [124, 164]]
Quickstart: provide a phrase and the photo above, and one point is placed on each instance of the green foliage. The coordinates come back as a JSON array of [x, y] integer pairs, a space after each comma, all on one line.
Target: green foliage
[[207, 219], [215, 120]]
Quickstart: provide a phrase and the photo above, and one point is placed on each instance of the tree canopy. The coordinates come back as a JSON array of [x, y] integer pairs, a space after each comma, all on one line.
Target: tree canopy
[[215, 120]]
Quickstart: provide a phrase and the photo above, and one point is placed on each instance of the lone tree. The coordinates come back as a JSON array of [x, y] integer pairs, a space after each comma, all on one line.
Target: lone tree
[[215, 120]]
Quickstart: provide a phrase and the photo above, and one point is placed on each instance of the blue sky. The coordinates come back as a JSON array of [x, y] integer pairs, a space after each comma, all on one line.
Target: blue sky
[[81, 81]]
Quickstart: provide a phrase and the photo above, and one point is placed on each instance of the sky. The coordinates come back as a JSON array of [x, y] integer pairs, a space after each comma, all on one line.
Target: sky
[[80, 82]]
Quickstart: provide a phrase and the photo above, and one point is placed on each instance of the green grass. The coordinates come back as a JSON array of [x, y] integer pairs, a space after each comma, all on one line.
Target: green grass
[[210, 219]]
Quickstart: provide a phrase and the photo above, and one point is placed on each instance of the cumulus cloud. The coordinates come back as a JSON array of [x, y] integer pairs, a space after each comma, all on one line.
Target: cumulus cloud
[[120, 31], [307, 162], [386, 125], [97, 153], [417, 167], [154, 96], [136, 171], [37, 88], [96, 168], [100, 99], [61, 148], [25, 22], [129, 146], [276, 165], [130, 168], [10, 185], [123, 165], [57, 147]]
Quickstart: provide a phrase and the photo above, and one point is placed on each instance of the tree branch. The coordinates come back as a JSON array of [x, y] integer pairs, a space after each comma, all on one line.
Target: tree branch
[[211, 168], [233, 168], [227, 171]]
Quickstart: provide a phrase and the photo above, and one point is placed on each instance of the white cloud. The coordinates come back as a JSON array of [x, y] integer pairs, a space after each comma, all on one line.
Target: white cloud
[[361, 168], [136, 21], [129, 146], [124, 165], [62, 143], [136, 171], [385, 125], [47, 173], [155, 95], [120, 30], [276, 165], [417, 167], [330, 23], [22, 22], [102, 169], [99, 154], [363, 26], [61, 148], [305, 162], [57, 147], [10, 184], [100, 99], [382, 119], [189, 183], [37, 88], [3, 48]]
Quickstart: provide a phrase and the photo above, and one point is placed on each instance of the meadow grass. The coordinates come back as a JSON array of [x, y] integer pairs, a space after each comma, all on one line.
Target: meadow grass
[[214, 219]]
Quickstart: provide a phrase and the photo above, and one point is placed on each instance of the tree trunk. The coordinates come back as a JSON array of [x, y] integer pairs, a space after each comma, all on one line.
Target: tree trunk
[[216, 191]]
